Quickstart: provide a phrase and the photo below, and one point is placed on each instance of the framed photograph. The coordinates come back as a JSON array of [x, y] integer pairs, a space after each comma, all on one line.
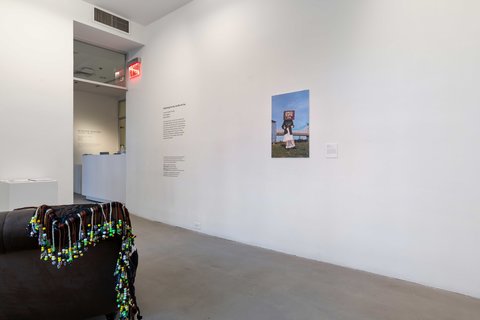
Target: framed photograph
[[291, 125]]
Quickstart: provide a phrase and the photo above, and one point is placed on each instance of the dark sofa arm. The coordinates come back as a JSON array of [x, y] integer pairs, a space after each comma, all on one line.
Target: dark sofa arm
[[83, 289], [3, 215], [13, 231]]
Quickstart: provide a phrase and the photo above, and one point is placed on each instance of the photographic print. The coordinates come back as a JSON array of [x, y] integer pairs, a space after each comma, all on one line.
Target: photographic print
[[290, 125]]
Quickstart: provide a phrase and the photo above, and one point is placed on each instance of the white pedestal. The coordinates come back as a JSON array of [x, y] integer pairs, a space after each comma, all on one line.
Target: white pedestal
[[103, 177], [27, 193]]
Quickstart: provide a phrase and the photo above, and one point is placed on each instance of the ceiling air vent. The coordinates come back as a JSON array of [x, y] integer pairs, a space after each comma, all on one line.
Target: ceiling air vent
[[111, 20]]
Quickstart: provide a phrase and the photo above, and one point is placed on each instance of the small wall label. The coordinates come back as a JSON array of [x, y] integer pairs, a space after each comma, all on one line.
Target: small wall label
[[331, 150]]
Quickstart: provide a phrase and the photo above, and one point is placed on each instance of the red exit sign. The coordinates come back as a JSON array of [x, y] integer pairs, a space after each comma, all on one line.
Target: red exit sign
[[135, 68]]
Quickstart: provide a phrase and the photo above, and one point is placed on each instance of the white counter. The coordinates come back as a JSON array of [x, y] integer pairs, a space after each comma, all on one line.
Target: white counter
[[27, 193], [103, 177]]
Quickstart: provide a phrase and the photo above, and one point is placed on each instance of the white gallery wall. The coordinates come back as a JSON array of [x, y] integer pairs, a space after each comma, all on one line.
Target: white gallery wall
[[36, 113], [36, 108], [394, 83]]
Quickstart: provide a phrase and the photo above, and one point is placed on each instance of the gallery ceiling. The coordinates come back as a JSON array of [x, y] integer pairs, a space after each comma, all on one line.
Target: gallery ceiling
[[141, 11]]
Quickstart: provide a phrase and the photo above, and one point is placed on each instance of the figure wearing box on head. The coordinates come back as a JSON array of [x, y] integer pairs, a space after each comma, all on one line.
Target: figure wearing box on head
[[287, 126]]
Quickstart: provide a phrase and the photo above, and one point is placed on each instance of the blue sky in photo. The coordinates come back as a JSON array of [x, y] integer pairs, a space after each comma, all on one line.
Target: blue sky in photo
[[298, 101]]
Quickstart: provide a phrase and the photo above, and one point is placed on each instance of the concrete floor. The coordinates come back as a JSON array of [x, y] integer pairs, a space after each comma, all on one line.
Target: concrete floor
[[185, 275]]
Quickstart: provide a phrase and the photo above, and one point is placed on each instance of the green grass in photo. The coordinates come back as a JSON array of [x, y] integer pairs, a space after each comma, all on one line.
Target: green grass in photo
[[301, 150]]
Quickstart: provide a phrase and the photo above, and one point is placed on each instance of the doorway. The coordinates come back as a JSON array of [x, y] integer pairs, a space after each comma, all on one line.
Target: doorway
[[99, 122]]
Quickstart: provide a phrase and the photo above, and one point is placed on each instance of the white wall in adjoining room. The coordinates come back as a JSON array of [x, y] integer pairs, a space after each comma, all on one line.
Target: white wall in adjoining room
[[36, 112], [95, 128], [95, 124], [394, 83]]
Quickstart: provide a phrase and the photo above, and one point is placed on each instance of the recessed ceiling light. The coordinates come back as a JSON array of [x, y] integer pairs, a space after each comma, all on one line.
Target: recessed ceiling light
[[88, 70]]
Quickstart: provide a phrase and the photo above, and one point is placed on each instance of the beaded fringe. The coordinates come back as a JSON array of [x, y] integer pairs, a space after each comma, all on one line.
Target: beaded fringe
[[66, 238]]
